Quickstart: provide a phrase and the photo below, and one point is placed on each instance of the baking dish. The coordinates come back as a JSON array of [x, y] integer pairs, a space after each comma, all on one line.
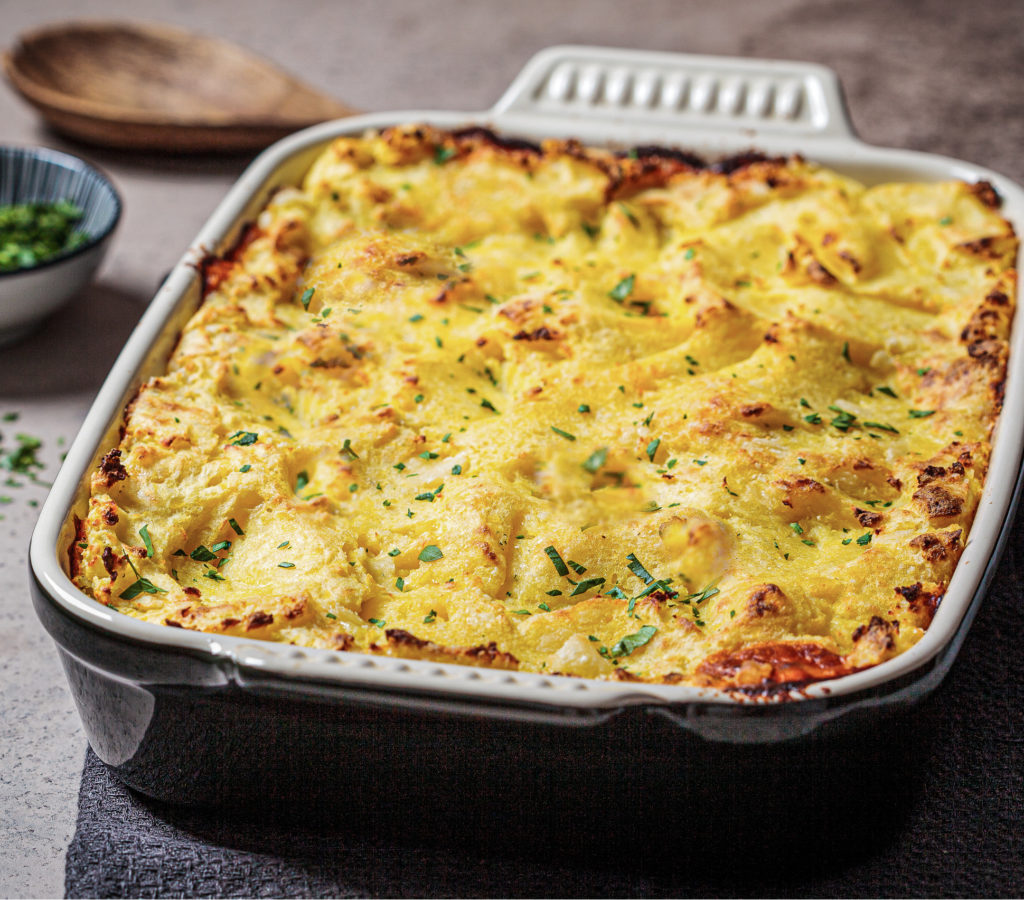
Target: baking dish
[[191, 716]]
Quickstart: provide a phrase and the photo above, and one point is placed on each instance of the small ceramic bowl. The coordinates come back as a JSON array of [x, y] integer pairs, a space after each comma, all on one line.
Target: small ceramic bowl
[[36, 174]]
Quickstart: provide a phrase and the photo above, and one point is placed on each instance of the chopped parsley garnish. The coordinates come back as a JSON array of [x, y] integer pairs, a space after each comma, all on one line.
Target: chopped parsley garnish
[[283, 544], [213, 576], [301, 481], [141, 586], [637, 568], [486, 404], [565, 434], [888, 391], [921, 413], [400, 584], [596, 460], [441, 155], [418, 398], [846, 350], [346, 450], [560, 567], [429, 496], [243, 438], [144, 534], [245, 468], [796, 527], [880, 426], [843, 419], [31, 233], [429, 617], [428, 454], [286, 565], [701, 596], [630, 642], [628, 213], [623, 289], [307, 295], [583, 408], [456, 469], [22, 459], [235, 527], [554, 593], [430, 553], [202, 554], [378, 622], [220, 545], [652, 448], [813, 419], [864, 539], [544, 607], [586, 585]]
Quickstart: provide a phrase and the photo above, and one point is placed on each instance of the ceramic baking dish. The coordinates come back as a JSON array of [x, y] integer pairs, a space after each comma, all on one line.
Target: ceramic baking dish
[[142, 688]]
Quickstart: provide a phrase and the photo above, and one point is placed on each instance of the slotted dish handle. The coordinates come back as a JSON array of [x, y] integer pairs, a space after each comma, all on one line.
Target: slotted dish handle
[[708, 92]]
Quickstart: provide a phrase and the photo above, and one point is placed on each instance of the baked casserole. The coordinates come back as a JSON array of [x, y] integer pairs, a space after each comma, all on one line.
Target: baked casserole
[[567, 410]]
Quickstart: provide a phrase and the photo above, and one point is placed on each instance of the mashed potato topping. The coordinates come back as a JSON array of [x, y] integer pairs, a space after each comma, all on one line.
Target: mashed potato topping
[[569, 411]]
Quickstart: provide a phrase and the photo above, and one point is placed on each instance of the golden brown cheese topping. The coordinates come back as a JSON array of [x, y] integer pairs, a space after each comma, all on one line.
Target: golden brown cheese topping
[[560, 410]]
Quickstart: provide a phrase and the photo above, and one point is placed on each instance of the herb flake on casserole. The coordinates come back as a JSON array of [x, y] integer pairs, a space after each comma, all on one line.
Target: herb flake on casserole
[[564, 410]]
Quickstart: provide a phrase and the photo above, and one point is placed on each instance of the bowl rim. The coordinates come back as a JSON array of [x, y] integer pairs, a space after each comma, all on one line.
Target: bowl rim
[[63, 159]]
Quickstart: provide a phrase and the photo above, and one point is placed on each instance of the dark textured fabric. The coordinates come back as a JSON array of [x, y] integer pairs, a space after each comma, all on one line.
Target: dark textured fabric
[[957, 810]]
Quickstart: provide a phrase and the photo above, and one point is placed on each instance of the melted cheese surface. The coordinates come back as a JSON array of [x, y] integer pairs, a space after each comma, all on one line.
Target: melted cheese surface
[[570, 412]]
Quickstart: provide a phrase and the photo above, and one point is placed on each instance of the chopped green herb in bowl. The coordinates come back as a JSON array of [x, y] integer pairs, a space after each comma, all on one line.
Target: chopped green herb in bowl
[[57, 214], [31, 233]]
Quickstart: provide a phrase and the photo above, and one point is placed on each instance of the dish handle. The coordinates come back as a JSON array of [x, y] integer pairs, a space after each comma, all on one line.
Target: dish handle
[[709, 92]]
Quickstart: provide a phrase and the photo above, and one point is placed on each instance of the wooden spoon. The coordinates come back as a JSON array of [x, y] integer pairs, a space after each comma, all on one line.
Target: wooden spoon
[[154, 87]]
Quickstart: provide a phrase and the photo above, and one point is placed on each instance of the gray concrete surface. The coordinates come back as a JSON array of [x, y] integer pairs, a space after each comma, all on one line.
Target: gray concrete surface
[[938, 75]]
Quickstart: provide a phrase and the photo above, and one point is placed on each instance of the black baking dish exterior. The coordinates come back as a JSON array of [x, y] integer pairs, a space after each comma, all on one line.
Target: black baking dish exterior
[[192, 717]]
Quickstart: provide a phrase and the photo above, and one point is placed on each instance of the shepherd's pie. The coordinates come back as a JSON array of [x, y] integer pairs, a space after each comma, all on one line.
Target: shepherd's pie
[[569, 410]]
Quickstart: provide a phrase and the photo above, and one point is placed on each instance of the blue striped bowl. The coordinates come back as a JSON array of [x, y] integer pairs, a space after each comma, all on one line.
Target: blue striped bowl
[[36, 174]]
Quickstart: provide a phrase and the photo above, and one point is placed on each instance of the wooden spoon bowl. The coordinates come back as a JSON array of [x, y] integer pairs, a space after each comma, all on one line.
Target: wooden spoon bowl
[[154, 87]]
